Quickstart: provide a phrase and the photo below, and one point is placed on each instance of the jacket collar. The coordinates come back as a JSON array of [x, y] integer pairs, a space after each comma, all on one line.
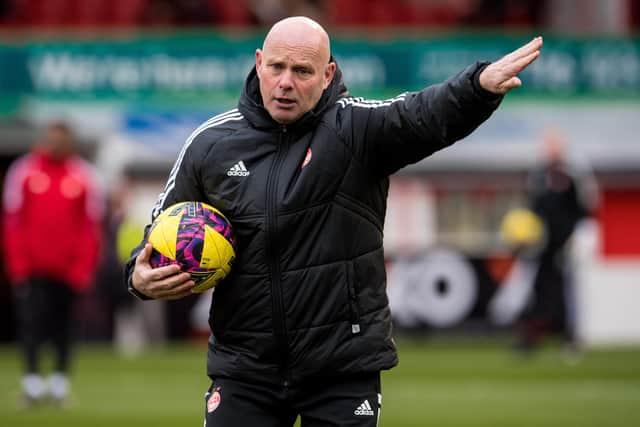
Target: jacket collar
[[252, 108], [44, 157]]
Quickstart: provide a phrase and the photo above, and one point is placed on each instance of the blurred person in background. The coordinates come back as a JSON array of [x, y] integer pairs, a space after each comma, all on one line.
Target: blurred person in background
[[52, 213], [563, 194], [302, 325]]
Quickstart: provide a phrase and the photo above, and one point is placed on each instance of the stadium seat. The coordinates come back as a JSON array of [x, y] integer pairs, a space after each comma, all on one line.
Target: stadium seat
[[231, 12]]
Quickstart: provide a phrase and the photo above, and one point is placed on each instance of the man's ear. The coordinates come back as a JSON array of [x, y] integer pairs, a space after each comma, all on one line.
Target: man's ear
[[329, 72], [258, 62]]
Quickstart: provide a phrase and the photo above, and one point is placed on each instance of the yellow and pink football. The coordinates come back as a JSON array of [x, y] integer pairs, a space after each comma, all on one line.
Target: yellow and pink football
[[198, 238]]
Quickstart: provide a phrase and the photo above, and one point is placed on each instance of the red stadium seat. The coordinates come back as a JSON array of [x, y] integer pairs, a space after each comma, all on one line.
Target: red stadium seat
[[231, 12], [38, 13], [127, 13], [347, 12], [91, 13]]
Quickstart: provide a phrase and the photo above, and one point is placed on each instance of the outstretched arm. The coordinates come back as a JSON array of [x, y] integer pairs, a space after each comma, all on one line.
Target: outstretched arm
[[388, 135]]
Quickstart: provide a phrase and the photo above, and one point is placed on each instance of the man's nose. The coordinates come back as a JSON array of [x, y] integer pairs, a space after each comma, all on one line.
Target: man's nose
[[286, 80]]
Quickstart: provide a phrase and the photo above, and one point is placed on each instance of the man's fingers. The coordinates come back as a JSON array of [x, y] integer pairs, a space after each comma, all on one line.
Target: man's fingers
[[501, 76], [186, 286], [161, 273], [177, 291], [512, 83], [144, 255], [163, 282], [514, 63], [522, 63], [172, 281], [525, 50]]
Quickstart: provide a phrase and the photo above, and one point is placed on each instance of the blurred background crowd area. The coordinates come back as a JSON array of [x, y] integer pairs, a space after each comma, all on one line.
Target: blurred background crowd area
[[564, 15], [132, 97]]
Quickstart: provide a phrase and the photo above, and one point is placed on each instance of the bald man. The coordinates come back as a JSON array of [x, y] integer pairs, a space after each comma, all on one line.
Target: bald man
[[302, 326], [563, 193]]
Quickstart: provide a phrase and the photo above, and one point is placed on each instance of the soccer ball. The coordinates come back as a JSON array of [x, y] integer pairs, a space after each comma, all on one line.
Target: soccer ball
[[198, 238], [521, 227]]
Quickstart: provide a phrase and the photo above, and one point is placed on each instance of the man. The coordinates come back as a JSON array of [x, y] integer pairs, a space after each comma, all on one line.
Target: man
[[302, 324], [52, 211], [562, 194]]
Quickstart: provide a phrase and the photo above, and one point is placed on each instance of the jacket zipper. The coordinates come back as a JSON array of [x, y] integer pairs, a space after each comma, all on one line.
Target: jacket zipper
[[353, 299], [279, 324]]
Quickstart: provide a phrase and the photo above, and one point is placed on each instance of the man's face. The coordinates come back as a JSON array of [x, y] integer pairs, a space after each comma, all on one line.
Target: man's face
[[292, 78], [58, 142]]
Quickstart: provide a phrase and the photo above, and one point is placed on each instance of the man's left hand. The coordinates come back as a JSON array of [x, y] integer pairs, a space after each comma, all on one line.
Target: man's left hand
[[501, 76]]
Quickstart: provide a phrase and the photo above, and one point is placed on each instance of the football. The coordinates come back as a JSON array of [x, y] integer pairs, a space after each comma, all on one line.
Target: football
[[198, 238]]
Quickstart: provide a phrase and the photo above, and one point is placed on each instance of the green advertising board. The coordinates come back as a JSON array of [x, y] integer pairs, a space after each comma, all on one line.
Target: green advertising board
[[196, 69]]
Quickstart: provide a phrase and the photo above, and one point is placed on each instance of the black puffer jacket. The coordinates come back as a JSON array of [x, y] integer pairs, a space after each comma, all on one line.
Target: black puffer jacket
[[307, 294]]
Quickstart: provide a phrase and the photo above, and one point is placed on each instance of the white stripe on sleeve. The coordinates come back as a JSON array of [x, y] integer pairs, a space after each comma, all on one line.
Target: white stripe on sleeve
[[212, 122]]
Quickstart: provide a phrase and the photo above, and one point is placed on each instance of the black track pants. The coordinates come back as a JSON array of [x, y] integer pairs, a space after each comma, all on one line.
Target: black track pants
[[345, 402], [44, 310]]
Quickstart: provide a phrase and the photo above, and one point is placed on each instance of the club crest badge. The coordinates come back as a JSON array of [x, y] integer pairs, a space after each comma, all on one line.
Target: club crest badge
[[307, 158], [214, 400]]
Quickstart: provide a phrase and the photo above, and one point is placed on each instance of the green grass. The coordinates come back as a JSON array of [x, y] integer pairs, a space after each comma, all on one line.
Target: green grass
[[444, 383]]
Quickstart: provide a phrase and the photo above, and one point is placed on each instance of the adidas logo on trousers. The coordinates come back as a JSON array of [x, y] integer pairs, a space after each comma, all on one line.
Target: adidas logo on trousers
[[364, 409]]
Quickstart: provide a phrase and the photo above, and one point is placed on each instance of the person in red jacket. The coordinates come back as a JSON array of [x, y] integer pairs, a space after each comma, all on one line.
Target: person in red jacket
[[52, 211]]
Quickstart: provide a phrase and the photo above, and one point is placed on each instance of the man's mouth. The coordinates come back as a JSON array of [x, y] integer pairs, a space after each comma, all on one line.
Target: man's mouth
[[285, 101]]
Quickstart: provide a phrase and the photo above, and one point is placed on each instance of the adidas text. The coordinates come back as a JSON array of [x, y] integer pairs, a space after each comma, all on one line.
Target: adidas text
[[364, 409], [239, 169]]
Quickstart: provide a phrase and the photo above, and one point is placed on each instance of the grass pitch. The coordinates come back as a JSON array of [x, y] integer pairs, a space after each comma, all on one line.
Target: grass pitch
[[452, 383]]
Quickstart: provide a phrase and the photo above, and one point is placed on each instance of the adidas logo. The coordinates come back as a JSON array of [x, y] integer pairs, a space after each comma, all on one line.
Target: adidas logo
[[364, 409], [239, 169]]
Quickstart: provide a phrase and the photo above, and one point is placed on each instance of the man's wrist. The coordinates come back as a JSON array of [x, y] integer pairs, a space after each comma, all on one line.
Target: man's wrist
[[133, 291], [481, 91]]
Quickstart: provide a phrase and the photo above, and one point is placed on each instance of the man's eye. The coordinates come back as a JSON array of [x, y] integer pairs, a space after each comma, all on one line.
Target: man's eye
[[304, 71], [277, 66]]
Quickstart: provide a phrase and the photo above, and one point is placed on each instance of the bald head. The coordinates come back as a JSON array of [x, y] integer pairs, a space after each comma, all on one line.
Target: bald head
[[302, 31], [293, 68], [553, 145]]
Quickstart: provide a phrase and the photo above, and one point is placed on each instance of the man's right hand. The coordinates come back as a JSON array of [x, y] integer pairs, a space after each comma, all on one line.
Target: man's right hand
[[162, 282]]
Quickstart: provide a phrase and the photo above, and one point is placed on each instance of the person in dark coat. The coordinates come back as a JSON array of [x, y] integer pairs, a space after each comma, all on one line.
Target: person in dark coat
[[301, 327], [562, 194]]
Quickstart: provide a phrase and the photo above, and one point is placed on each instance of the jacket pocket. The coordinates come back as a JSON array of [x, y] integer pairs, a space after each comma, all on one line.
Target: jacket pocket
[[352, 298]]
